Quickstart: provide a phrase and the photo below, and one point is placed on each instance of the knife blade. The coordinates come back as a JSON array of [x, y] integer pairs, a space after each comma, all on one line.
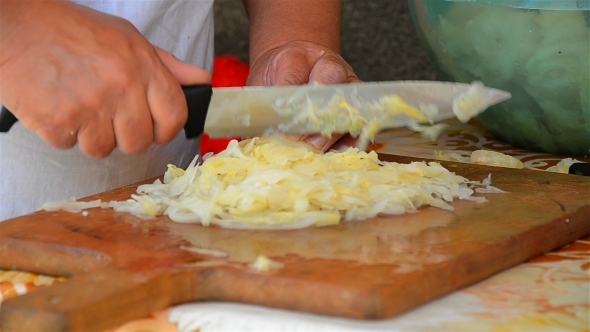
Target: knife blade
[[258, 111]]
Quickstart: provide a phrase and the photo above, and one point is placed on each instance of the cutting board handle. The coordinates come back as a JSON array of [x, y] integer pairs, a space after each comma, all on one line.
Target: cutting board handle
[[98, 300]]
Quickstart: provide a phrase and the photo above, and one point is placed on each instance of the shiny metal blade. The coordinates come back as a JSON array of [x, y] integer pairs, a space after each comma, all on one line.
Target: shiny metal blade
[[256, 111]]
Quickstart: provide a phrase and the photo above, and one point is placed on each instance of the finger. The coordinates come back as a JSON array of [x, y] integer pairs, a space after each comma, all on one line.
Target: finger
[[297, 138], [167, 106], [291, 69], [329, 69], [97, 138], [132, 123], [352, 78], [321, 142], [58, 126], [344, 143], [185, 73], [64, 140]]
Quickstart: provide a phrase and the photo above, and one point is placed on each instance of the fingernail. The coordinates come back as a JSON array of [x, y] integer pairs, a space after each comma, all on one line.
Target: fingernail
[[295, 138], [317, 142]]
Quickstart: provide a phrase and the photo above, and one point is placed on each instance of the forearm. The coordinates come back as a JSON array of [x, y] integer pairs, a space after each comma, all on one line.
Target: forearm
[[275, 22]]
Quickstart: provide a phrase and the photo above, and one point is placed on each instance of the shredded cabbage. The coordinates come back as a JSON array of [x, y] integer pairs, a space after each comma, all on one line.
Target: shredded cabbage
[[265, 264], [481, 157], [430, 133], [471, 103], [70, 205], [563, 166], [494, 158], [276, 183]]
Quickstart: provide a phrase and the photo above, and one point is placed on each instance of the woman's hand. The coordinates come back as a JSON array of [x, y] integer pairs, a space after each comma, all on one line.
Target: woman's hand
[[300, 63], [78, 76], [298, 42]]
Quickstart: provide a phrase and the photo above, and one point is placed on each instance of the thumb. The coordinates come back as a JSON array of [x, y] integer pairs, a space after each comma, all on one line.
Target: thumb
[[291, 69], [332, 69], [185, 73]]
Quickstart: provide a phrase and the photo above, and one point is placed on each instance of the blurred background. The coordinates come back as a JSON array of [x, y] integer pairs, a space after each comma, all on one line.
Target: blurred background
[[378, 38]]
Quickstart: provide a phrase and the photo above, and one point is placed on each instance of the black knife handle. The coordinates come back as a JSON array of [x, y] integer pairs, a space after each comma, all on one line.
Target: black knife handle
[[7, 119], [197, 100], [580, 169]]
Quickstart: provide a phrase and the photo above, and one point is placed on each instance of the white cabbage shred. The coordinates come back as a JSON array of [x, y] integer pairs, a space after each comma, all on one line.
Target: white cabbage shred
[[473, 102], [70, 205], [481, 157], [493, 158], [488, 188], [265, 264], [563, 166], [276, 183]]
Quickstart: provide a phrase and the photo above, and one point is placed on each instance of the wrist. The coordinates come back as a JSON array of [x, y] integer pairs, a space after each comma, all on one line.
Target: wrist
[[274, 23], [15, 18]]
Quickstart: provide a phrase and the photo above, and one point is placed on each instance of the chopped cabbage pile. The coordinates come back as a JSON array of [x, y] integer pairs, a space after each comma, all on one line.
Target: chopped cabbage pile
[[541, 56], [276, 183]]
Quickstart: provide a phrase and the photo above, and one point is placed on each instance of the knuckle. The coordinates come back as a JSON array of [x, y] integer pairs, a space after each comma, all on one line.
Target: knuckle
[[145, 52], [168, 121], [92, 143], [57, 141], [133, 142], [177, 118], [64, 118], [164, 137], [166, 130], [133, 131], [120, 79], [100, 154], [134, 147], [93, 101], [97, 151], [119, 73], [69, 113]]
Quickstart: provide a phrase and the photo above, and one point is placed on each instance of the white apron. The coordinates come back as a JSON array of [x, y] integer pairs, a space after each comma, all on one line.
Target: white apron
[[32, 172]]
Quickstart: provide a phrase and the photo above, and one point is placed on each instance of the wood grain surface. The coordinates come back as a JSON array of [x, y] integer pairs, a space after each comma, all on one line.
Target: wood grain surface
[[120, 267]]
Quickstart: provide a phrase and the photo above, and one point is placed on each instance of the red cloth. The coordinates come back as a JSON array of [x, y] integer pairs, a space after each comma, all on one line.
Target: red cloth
[[228, 71]]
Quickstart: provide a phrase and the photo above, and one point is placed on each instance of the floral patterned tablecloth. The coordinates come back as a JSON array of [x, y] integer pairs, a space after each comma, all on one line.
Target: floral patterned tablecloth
[[549, 293], [463, 139]]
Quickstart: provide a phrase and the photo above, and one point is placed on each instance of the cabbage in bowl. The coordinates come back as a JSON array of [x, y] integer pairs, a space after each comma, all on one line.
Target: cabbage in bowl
[[537, 50]]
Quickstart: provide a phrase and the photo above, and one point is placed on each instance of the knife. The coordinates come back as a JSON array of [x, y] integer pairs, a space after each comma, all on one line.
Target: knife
[[258, 111]]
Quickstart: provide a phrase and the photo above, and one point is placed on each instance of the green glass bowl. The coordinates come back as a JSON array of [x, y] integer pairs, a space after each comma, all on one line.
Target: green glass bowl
[[539, 50]]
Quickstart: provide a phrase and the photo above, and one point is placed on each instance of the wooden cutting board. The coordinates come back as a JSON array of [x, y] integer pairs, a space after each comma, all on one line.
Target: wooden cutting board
[[120, 267]]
